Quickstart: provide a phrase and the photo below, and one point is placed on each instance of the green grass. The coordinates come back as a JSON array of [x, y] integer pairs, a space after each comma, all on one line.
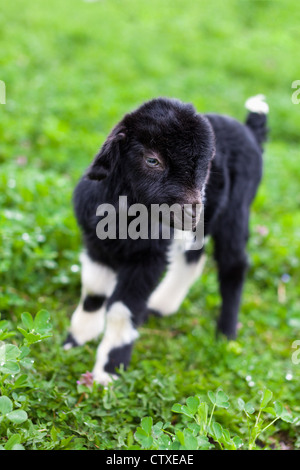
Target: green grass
[[71, 70]]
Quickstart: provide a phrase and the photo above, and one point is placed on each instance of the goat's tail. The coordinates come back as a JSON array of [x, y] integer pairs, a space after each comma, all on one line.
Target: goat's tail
[[257, 117]]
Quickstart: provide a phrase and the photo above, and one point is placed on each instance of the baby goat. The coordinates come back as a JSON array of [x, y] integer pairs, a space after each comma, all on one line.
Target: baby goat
[[164, 153]]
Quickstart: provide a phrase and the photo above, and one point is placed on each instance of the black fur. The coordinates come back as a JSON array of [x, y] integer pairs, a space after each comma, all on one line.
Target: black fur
[[71, 340], [118, 356], [198, 153], [92, 303]]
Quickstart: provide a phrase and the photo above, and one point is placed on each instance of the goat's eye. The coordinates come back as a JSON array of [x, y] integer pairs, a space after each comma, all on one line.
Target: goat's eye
[[152, 162]]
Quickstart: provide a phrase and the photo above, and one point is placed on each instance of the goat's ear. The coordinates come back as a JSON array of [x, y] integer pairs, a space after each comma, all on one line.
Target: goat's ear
[[108, 155]]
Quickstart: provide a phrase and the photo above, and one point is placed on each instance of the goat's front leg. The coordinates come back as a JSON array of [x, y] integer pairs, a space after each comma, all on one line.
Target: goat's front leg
[[183, 270], [125, 311], [98, 282]]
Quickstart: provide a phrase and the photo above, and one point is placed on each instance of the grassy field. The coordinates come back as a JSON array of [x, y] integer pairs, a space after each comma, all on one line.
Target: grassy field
[[71, 70]]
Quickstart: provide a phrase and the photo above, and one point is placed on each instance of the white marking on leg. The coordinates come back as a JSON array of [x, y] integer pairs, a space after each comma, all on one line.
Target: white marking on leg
[[96, 278], [174, 287], [86, 326], [119, 331]]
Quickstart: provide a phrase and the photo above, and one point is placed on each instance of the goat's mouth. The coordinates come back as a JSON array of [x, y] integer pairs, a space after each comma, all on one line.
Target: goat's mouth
[[192, 213], [183, 220]]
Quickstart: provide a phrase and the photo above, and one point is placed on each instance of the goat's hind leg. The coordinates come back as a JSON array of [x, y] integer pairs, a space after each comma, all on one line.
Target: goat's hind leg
[[231, 257]]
